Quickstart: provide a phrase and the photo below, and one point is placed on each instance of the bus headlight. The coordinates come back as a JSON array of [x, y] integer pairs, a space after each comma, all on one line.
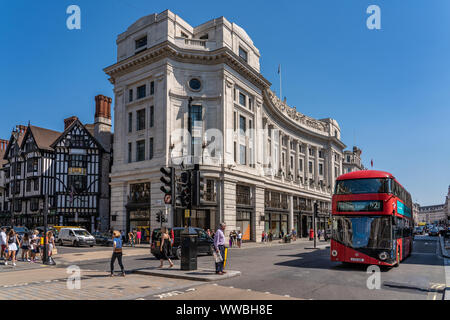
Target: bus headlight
[[383, 256], [334, 253]]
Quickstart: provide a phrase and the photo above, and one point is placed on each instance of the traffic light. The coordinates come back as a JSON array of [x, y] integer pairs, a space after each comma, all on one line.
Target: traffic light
[[316, 208], [168, 179], [158, 216], [186, 190], [198, 187]]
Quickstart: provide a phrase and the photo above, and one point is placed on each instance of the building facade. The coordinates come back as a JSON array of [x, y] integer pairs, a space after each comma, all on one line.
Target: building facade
[[352, 160], [186, 95], [438, 214], [3, 146], [69, 168]]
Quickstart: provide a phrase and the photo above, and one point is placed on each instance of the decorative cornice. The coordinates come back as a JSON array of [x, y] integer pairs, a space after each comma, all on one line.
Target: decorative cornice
[[168, 49], [296, 116]]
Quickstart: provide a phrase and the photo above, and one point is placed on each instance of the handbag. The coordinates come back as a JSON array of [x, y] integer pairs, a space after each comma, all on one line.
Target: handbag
[[54, 251], [217, 257]]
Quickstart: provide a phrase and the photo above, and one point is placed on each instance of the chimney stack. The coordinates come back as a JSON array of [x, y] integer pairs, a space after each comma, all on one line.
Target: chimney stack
[[3, 144], [102, 121], [68, 122], [21, 129], [103, 107]]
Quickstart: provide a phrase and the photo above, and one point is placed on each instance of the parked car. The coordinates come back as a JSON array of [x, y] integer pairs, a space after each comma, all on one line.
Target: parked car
[[103, 239], [205, 244], [433, 232], [75, 237]]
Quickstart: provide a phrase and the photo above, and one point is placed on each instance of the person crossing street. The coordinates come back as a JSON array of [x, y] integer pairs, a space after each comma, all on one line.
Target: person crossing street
[[219, 246], [117, 252]]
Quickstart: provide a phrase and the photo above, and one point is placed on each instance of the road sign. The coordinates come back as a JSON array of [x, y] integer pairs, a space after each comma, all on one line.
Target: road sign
[[167, 199], [187, 213]]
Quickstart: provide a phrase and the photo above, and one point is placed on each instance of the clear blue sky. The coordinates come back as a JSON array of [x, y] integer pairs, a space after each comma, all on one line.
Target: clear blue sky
[[388, 89]]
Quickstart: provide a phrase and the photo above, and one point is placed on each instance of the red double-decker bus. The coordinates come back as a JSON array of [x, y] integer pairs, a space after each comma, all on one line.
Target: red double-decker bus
[[372, 219]]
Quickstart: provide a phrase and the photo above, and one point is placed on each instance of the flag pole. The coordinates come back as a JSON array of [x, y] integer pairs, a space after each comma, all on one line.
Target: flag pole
[[281, 88]]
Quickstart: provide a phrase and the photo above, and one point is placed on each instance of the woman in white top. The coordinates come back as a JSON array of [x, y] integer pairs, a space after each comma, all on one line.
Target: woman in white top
[[51, 242], [12, 247]]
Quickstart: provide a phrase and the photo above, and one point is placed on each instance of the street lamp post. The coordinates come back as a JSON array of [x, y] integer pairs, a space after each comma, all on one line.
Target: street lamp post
[[46, 259]]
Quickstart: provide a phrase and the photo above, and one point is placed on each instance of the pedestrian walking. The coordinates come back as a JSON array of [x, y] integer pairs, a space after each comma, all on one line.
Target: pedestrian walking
[[263, 236], [165, 247], [138, 236], [319, 232], [219, 246], [25, 245], [230, 239], [34, 245], [239, 238], [130, 238], [122, 235], [117, 252], [13, 242], [3, 242]]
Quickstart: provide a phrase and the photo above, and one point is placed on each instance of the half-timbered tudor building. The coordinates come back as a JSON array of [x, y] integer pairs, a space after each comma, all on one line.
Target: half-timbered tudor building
[[77, 176], [70, 167]]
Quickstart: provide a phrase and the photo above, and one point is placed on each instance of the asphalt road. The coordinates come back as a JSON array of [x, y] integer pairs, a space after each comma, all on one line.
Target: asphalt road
[[309, 274], [298, 271]]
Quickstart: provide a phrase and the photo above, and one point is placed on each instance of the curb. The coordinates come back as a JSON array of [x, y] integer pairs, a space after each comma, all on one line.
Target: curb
[[443, 250], [211, 278]]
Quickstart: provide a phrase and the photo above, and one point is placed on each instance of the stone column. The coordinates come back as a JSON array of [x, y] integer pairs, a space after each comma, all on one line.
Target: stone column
[[257, 224], [118, 201], [307, 146], [229, 201], [316, 167], [291, 213]]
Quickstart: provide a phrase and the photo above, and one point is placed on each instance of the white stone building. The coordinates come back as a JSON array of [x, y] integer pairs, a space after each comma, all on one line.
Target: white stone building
[[439, 213], [263, 174], [352, 160]]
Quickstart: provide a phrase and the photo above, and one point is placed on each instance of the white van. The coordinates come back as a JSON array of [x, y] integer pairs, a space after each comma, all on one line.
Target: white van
[[75, 237]]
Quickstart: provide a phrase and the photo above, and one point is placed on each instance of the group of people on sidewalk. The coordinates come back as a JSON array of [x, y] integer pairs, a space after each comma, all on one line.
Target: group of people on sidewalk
[[30, 246], [134, 237], [235, 238]]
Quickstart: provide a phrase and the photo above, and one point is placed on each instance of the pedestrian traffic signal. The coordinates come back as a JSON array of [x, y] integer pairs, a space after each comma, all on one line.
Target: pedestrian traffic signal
[[198, 187], [168, 179]]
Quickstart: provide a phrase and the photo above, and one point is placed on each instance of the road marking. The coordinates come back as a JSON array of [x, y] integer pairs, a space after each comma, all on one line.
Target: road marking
[[249, 289], [267, 292], [287, 296]]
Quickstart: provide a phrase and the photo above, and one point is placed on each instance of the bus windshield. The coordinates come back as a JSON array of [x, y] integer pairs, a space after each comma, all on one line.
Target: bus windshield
[[363, 232], [360, 186]]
